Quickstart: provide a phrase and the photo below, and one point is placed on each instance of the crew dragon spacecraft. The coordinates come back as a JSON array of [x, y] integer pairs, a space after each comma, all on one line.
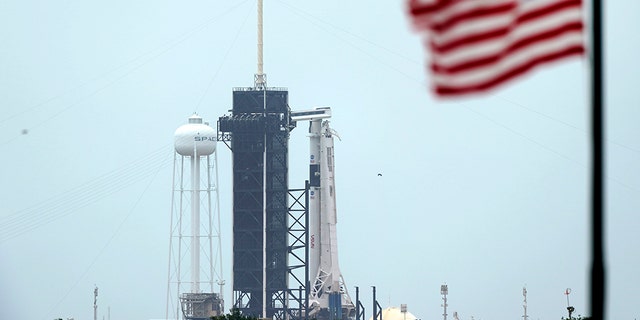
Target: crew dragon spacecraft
[[328, 296]]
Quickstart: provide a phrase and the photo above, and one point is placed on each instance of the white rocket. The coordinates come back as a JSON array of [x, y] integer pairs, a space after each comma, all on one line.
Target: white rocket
[[327, 288]]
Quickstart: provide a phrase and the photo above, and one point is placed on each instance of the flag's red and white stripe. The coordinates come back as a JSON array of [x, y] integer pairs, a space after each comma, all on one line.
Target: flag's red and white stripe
[[476, 45]]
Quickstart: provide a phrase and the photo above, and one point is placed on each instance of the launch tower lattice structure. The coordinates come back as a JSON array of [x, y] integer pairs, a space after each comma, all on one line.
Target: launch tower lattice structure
[[257, 132]]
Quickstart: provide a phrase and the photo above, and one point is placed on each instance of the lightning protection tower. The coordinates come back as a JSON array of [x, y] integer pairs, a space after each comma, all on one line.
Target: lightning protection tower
[[195, 226]]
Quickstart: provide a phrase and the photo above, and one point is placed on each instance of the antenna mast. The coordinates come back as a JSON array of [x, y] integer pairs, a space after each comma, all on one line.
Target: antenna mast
[[524, 304], [570, 308], [260, 79], [444, 290]]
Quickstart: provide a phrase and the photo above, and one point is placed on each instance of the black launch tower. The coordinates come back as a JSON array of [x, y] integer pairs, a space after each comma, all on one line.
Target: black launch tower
[[258, 131]]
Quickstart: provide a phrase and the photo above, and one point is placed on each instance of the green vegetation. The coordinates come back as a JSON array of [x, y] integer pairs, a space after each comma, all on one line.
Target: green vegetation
[[234, 315], [579, 317]]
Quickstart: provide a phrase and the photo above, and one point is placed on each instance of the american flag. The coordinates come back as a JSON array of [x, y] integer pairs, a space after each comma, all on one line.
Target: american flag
[[476, 45]]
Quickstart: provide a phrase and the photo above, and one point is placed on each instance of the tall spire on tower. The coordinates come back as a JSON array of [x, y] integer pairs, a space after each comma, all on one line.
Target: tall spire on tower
[[260, 79]]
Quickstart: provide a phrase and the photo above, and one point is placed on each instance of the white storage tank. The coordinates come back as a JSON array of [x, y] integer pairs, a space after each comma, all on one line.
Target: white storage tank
[[196, 138]]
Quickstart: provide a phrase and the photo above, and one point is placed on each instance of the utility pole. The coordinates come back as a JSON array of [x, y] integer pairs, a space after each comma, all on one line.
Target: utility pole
[[95, 303]]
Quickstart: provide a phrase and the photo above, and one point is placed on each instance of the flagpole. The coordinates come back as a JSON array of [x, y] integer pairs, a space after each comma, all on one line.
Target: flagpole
[[597, 153]]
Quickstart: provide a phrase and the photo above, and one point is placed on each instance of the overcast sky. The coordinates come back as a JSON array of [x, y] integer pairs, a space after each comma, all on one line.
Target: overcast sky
[[486, 194]]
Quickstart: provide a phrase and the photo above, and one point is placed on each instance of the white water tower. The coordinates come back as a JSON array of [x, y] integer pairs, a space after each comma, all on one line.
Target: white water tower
[[195, 226]]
